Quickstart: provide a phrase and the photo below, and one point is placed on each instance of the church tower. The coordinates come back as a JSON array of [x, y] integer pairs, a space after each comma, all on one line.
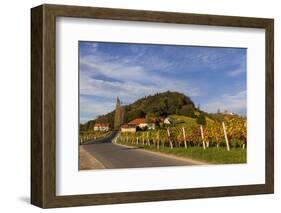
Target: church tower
[[119, 115]]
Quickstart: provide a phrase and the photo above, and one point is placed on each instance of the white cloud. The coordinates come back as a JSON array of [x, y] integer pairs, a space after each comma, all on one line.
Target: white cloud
[[217, 61], [235, 72], [103, 88], [233, 103], [108, 77], [92, 47], [132, 77], [89, 109], [128, 80], [94, 66], [241, 69]]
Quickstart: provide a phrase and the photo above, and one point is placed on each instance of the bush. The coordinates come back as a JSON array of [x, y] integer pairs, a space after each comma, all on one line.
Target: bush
[[201, 119], [187, 110]]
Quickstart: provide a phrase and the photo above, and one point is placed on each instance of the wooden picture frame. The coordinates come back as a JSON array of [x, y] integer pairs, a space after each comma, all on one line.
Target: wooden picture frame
[[43, 105]]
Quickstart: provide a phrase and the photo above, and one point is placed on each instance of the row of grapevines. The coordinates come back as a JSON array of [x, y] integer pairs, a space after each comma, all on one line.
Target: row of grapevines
[[212, 134], [91, 135]]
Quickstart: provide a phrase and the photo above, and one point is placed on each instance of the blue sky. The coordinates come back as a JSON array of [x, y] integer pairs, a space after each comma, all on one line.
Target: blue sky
[[214, 78]]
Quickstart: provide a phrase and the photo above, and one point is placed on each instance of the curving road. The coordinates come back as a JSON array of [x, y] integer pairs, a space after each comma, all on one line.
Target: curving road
[[114, 156]]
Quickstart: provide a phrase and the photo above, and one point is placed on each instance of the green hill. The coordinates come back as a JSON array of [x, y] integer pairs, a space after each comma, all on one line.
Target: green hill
[[160, 105], [153, 106], [179, 107]]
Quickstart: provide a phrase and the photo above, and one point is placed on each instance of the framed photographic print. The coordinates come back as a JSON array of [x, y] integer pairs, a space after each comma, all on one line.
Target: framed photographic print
[[136, 106]]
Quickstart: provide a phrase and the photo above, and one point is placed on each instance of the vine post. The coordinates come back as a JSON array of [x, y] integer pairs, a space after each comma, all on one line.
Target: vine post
[[158, 139], [202, 136], [169, 138], [225, 136], [184, 137], [147, 137]]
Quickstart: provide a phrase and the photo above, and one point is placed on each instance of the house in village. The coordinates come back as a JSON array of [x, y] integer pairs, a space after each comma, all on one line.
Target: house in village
[[101, 127], [141, 123]]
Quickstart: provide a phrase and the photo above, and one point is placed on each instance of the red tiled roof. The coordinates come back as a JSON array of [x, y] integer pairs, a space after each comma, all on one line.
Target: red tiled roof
[[101, 125], [138, 121]]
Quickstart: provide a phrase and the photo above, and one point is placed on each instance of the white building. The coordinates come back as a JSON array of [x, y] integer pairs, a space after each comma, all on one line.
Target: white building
[[167, 121], [101, 127], [128, 128]]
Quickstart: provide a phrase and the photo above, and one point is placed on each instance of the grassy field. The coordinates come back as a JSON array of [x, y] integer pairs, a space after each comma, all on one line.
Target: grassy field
[[184, 121], [210, 155]]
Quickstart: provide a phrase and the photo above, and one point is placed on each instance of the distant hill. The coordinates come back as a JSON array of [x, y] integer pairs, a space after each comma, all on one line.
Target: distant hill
[[157, 105]]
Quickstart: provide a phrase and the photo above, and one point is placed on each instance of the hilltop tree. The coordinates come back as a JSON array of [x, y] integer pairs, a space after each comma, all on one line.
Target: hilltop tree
[[188, 111], [201, 119]]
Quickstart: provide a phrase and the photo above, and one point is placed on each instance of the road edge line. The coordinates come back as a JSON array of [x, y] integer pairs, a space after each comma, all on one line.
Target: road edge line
[[188, 160]]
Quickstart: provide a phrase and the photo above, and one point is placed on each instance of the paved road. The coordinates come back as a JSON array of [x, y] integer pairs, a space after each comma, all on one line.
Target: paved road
[[115, 156]]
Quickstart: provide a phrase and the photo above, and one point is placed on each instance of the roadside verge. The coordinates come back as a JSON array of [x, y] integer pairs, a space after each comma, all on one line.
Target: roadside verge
[[87, 161]]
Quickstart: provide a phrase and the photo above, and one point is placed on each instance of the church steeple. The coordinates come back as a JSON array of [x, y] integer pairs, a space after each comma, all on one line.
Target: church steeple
[[119, 114], [118, 102]]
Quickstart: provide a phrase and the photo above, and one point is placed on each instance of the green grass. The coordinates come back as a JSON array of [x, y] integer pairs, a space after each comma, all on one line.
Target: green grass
[[184, 121], [209, 155]]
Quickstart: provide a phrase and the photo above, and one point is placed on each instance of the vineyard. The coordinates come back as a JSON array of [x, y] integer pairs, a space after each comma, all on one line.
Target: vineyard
[[228, 136], [92, 135]]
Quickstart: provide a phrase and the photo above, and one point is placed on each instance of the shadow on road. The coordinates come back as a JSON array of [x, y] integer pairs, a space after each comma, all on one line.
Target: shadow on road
[[133, 148]]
